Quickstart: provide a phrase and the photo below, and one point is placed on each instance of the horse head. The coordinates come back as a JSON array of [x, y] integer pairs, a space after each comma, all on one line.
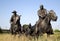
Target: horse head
[[53, 15]]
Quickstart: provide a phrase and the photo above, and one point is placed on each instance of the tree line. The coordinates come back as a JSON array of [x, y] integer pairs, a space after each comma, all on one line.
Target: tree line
[[25, 26]]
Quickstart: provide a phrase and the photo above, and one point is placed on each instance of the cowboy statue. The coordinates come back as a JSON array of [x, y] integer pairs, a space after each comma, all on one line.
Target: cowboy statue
[[42, 12], [15, 22]]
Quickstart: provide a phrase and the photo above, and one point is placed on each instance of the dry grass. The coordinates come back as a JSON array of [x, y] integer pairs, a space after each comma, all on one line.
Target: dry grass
[[9, 37]]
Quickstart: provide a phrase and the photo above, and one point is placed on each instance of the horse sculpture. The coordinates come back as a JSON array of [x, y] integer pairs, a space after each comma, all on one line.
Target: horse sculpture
[[45, 26], [16, 26]]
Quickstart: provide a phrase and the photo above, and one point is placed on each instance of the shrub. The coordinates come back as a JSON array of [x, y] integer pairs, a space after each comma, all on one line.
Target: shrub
[[0, 30], [57, 30], [25, 26]]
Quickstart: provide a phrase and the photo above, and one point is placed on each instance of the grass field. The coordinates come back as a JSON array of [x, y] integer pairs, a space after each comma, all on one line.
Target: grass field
[[9, 37]]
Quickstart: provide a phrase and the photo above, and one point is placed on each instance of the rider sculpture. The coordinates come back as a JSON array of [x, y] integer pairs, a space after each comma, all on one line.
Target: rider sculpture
[[14, 21], [42, 12]]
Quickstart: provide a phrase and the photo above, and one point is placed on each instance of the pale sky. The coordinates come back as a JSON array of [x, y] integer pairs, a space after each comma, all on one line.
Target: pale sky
[[28, 9]]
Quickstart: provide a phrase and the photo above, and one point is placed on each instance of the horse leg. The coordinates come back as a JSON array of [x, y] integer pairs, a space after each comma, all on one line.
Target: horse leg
[[11, 29], [19, 32]]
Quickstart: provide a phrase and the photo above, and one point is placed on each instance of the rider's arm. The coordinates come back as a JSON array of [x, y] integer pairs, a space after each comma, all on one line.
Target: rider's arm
[[44, 14], [39, 13], [11, 20]]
